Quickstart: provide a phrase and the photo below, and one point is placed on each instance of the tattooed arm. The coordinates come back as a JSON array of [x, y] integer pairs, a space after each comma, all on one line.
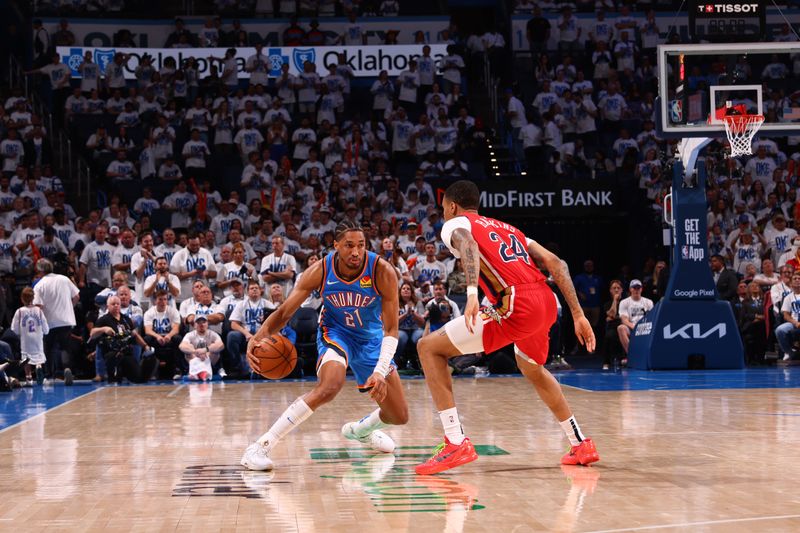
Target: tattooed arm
[[560, 272], [462, 240]]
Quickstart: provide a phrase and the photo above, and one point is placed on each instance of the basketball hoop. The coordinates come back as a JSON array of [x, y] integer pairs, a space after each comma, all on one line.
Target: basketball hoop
[[740, 130]]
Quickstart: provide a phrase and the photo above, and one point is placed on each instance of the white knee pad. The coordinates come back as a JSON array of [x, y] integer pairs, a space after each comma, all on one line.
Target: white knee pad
[[331, 355]]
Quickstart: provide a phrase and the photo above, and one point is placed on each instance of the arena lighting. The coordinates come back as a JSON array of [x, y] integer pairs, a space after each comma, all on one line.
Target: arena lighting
[[494, 160], [523, 173]]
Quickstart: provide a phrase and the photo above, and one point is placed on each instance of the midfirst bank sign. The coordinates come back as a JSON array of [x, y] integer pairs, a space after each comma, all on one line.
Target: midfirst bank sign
[[366, 61]]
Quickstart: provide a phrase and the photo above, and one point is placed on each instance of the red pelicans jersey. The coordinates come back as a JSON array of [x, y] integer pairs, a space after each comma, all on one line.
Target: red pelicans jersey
[[504, 258]]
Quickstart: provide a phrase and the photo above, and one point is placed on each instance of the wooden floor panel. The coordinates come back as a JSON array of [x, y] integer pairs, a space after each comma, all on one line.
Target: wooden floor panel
[[167, 459]]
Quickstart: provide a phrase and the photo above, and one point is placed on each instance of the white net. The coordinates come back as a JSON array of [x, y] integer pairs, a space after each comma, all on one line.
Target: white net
[[741, 129]]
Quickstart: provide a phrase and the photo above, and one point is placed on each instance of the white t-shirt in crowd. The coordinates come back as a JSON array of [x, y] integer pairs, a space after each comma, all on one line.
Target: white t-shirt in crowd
[[54, 293]]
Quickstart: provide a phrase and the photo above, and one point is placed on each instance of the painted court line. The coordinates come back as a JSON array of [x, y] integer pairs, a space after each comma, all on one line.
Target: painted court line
[[704, 523], [175, 391], [50, 410]]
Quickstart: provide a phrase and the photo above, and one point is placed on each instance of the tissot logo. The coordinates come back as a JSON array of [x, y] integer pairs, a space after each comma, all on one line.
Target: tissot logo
[[727, 8]]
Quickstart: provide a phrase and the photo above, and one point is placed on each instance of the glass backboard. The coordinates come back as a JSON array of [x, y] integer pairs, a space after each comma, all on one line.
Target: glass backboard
[[700, 83]]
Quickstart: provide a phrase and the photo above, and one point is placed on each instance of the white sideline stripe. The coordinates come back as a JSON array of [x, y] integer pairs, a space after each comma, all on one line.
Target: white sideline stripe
[[50, 410], [175, 391], [704, 523]]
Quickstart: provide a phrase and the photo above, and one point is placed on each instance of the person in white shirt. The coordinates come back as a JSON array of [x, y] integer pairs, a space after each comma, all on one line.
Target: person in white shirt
[[161, 280], [780, 290], [303, 138], [12, 151], [762, 166], [779, 237], [180, 202], [382, 92], [121, 169], [30, 325], [90, 74], [195, 151], [631, 310], [245, 319], [452, 64], [429, 269], [95, 262], [286, 84], [122, 256], [59, 75], [190, 264], [202, 348], [279, 267], [222, 223], [308, 83], [258, 66], [409, 83], [167, 248], [161, 331], [787, 332], [57, 296], [248, 140], [236, 269]]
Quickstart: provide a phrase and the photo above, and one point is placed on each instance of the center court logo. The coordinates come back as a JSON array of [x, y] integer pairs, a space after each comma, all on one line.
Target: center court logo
[[301, 55]]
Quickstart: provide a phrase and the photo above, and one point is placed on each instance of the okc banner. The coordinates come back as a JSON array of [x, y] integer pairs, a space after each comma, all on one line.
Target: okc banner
[[153, 33], [509, 198], [366, 61]]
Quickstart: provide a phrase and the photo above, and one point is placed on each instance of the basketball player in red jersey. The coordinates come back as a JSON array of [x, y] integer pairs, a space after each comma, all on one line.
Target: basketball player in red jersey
[[499, 258]]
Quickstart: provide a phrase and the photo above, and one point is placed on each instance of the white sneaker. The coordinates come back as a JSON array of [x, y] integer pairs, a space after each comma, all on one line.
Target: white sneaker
[[787, 357], [256, 458], [378, 440], [222, 373]]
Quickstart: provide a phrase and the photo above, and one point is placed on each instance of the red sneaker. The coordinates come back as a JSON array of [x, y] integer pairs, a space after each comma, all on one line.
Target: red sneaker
[[583, 454], [448, 456]]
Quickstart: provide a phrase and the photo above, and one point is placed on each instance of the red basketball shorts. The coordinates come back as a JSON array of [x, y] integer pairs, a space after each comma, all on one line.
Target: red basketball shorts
[[522, 316]]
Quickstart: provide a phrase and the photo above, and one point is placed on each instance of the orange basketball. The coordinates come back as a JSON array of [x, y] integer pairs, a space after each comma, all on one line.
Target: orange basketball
[[276, 357]]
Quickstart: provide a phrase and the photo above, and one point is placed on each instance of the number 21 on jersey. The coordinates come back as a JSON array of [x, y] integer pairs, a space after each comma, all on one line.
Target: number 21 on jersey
[[353, 320], [512, 250]]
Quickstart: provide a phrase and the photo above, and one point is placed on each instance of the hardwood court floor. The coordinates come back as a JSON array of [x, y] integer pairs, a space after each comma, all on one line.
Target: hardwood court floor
[[166, 458]]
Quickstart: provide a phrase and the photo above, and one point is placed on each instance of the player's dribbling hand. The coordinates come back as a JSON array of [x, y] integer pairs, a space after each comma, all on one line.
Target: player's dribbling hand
[[585, 334], [376, 384], [471, 311], [251, 359]]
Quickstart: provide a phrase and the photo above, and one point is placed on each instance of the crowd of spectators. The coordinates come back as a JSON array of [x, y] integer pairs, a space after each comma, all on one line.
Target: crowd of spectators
[[278, 8], [217, 193], [588, 113]]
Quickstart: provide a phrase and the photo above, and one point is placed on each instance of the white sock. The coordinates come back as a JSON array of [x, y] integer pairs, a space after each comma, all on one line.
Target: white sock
[[452, 425], [293, 416], [369, 423], [572, 430]]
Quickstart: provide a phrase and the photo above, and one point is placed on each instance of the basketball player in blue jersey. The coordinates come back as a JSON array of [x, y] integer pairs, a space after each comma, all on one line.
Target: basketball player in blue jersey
[[358, 327]]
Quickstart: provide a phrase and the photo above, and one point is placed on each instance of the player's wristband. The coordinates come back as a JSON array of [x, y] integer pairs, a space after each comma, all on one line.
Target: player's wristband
[[388, 348], [472, 291]]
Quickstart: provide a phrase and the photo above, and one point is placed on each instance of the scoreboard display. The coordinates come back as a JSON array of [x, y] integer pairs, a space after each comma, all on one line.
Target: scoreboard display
[[722, 21]]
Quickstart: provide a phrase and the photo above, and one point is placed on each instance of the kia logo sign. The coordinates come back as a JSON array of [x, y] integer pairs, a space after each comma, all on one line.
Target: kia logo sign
[[693, 331]]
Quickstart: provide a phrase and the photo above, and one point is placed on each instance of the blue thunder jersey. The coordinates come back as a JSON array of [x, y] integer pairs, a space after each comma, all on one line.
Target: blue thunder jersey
[[352, 308]]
